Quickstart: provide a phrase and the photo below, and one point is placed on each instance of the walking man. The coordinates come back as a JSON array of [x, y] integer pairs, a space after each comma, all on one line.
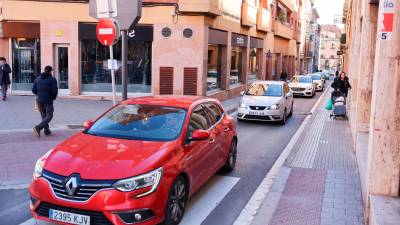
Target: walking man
[[5, 81], [46, 89]]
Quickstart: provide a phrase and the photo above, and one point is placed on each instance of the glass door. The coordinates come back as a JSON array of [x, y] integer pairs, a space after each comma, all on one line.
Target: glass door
[[61, 67]]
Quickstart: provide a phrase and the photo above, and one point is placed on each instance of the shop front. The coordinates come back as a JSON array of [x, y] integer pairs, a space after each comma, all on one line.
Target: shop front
[[217, 51], [96, 78], [24, 57], [238, 60], [255, 57]]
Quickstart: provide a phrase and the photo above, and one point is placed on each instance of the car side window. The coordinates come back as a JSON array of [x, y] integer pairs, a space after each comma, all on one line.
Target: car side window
[[214, 112], [198, 120]]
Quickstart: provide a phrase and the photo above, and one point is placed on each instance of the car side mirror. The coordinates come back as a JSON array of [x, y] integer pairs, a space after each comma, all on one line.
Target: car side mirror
[[200, 135], [88, 124], [242, 93]]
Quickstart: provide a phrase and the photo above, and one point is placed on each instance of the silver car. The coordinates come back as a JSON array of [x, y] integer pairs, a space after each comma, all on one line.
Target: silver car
[[266, 101], [318, 81]]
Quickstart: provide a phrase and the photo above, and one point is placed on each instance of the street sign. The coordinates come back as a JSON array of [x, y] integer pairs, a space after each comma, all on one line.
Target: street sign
[[386, 19], [106, 31], [339, 53], [126, 12]]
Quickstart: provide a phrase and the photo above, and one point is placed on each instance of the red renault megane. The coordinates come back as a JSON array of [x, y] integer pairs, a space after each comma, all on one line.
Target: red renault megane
[[136, 164]]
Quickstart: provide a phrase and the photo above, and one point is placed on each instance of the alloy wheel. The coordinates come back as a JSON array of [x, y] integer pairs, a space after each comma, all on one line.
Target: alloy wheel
[[177, 201]]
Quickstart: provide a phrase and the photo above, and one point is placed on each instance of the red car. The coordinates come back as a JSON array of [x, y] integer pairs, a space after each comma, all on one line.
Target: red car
[[136, 164]]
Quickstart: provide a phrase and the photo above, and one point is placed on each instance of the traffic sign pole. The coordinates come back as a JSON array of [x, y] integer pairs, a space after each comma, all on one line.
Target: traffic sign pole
[[113, 75], [124, 40]]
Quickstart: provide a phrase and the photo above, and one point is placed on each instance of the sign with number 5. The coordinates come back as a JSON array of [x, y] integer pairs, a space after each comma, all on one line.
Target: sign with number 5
[[386, 18]]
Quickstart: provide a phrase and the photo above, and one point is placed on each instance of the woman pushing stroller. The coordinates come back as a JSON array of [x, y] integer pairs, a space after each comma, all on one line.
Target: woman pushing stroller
[[342, 84]]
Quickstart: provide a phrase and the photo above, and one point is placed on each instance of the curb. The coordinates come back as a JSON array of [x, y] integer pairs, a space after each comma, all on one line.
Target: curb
[[249, 212]]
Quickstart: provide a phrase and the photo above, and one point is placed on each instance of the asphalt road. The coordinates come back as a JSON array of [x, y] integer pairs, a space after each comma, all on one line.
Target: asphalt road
[[260, 144]]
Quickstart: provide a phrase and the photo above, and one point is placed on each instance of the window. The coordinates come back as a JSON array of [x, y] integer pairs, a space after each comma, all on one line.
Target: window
[[322, 56], [262, 89], [140, 122], [236, 66], [253, 64], [95, 76], [332, 56], [214, 67], [198, 120], [215, 112]]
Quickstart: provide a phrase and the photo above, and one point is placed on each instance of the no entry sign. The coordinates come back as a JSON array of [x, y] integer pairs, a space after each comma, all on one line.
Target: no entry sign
[[386, 19], [106, 31]]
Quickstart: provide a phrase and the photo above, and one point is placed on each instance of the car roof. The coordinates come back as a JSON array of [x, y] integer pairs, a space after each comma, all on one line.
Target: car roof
[[268, 82], [302, 76], [179, 101]]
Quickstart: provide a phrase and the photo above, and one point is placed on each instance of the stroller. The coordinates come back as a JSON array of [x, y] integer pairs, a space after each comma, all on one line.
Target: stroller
[[339, 105]]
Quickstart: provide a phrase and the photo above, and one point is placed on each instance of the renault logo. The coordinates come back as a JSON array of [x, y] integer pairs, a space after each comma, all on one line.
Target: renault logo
[[71, 186]]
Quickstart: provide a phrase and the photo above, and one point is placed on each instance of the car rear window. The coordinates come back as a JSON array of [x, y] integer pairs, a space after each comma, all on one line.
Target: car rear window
[[140, 122], [260, 89]]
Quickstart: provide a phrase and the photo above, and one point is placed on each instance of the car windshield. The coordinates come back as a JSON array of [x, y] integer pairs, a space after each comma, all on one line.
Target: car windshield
[[259, 89], [140, 122], [316, 77], [302, 80]]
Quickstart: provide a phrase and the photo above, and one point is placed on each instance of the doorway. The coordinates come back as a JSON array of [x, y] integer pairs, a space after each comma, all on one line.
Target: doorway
[[62, 68]]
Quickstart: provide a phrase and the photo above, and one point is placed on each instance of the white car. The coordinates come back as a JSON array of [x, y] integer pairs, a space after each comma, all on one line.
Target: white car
[[266, 101], [302, 86], [318, 80]]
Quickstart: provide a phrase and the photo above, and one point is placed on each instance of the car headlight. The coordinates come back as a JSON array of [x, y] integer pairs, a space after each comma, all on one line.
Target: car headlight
[[242, 105], [274, 107], [151, 179], [37, 173]]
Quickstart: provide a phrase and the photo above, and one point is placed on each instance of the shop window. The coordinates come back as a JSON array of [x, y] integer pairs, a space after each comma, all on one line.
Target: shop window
[[95, 77], [253, 64], [214, 67], [25, 62], [236, 66]]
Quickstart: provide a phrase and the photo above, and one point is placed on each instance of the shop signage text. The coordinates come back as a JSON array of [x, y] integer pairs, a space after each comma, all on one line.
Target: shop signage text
[[387, 18]]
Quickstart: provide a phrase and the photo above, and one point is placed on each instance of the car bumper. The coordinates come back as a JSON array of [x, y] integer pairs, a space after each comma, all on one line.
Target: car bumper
[[260, 115], [319, 87], [303, 93], [107, 203]]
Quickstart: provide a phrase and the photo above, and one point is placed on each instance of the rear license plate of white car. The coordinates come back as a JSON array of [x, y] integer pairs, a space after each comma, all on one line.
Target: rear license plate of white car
[[257, 113], [67, 217]]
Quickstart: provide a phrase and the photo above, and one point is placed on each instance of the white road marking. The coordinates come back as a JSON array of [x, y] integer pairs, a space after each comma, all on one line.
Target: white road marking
[[14, 186], [204, 202], [199, 206], [248, 213]]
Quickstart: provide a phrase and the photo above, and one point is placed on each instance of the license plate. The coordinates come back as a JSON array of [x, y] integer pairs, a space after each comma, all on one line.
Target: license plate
[[67, 217], [257, 113]]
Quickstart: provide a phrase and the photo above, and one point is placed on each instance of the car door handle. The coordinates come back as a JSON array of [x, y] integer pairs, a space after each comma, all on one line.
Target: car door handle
[[212, 140], [226, 129]]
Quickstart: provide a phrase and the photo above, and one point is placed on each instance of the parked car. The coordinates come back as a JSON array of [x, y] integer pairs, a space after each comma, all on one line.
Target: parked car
[[138, 163], [318, 81], [325, 76], [302, 86], [266, 101]]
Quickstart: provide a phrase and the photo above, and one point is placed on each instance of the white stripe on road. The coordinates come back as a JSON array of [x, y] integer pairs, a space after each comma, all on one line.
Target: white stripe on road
[[248, 213], [200, 205], [204, 202]]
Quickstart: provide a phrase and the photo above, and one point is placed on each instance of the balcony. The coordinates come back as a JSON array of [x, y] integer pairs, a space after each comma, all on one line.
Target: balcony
[[264, 20], [288, 4], [283, 30], [208, 7], [297, 36], [249, 15]]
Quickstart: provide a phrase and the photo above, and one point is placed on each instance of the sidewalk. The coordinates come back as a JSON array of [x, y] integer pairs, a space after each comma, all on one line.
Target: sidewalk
[[17, 112], [318, 183], [19, 149]]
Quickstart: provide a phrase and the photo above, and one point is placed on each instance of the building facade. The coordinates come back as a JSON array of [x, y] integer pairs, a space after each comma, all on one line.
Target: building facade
[[197, 47], [371, 59], [329, 46]]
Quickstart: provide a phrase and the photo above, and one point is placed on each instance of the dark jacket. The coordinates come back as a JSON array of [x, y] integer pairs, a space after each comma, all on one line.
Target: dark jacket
[[341, 85], [5, 71], [46, 89], [284, 76]]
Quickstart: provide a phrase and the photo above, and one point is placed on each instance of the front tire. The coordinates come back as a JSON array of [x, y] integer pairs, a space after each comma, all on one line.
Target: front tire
[[177, 199], [283, 121], [231, 160]]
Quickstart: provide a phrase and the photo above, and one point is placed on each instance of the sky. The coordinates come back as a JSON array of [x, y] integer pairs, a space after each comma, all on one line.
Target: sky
[[327, 9]]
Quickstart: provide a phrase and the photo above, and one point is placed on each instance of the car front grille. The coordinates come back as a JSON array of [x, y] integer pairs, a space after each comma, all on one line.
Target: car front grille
[[258, 107], [298, 89], [255, 117], [85, 188], [96, 218]]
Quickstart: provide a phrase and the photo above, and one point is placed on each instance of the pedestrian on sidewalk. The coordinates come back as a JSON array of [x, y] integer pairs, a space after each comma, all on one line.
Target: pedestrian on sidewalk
[[342, 84], [5, 81], [284, 75], [46, 89]]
